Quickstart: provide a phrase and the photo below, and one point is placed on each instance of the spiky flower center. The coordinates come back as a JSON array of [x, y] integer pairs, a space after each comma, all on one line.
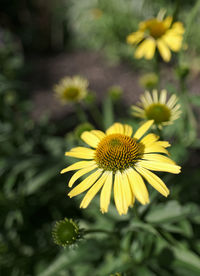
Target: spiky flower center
[[118, 152], [155, 27], [158, 112], [71, 93]]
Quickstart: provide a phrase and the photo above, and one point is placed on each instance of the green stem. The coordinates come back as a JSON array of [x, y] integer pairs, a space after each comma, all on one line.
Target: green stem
[[91, 231], [80, 112], [157, 66]]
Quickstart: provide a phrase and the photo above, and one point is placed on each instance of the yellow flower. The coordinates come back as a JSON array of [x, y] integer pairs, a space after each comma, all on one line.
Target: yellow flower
[[157, 33], [71, 89], [152, 106], [122, 161]]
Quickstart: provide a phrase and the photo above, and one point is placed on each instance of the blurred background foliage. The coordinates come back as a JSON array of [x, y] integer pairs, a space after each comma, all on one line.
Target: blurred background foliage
[[165, 240]]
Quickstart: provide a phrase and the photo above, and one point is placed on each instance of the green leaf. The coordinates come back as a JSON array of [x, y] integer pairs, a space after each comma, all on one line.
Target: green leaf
[[169, 212], [38, 181], [187, 259]]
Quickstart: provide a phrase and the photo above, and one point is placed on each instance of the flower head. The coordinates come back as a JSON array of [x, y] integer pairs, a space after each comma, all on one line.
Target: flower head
[[71, 89], [120, 160], [66, 232], [158, 33], [151, 106]]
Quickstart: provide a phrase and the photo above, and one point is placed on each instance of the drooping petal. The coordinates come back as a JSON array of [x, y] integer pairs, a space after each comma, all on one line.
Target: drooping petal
[[128, 194], [77, 166], [155, 148], [141, 131], [80, 173], [118, 194], [154, 180], [149, 139], [158, 158], [90, 138], [94, 190], [145, 49], [106, 193], [164, 50], [174, 41], [158, 166], [138, 187], [85, 184], [135, 37], [81, 152]]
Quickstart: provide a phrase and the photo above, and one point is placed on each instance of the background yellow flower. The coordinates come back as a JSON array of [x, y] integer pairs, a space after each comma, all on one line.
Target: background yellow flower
[[156, 107], [159, 34], [71, 89]]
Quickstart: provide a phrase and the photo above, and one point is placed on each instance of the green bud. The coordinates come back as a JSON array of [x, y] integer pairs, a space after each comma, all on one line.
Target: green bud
[[66, 232], [182, 71], [149, 81], [115, 92]]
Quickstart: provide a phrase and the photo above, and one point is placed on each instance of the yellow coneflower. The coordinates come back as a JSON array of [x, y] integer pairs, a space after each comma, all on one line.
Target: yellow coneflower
[[71, 89], [157, 33], [151, 106], [120, 160]]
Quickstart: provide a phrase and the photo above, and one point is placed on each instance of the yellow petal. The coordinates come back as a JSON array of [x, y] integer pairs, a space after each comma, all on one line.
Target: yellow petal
[[149, 139], [118, 194], [146, 49], [155, 96], [164, 50], [81, 152], [135, 37], [178, 28], [157, 158], [80, 173], [100, 134], [158, 166], [164, 144], [173, 41], [85, 184], [141, 131], [77, 166], [154, 180], [93, 191], [148, 97], [150, 51], [115, 128], [90, 138], [155, 147], [168, 21], [172, 101], [128, 130], [138, 187], [163, 96], [106, 193], [128, 194]]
